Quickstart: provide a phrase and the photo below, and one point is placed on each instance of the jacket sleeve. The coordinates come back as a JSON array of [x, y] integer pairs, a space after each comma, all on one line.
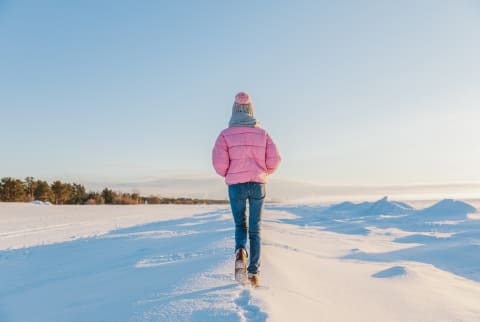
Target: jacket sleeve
[[272, 157], [220, 157]]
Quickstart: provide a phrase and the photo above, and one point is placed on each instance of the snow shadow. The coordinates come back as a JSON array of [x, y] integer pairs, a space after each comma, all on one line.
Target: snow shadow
[[151, 272], [318, 216], [442, 235], [391, 272], [454, 254]]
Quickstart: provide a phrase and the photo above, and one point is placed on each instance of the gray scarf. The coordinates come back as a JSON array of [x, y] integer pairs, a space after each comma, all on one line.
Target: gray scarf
[[243, 119]]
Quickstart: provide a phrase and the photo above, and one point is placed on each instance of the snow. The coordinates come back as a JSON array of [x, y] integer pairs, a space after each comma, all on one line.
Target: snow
[[391, 272], [41, 203], [380, 261], [26, 225]]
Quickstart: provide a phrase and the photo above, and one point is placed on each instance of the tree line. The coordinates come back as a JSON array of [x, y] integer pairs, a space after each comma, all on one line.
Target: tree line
[[60, 193]]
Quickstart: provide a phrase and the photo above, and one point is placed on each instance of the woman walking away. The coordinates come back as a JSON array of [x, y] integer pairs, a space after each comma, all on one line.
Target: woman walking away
[[245, 155]]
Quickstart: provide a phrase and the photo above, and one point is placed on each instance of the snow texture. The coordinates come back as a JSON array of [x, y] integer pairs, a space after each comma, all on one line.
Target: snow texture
[[379, 261]]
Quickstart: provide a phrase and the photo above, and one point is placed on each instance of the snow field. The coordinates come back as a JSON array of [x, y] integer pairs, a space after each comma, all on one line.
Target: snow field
[[175, 263]]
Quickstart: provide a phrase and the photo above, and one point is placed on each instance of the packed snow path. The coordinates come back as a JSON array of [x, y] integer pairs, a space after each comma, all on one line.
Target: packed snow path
[[315, 267]]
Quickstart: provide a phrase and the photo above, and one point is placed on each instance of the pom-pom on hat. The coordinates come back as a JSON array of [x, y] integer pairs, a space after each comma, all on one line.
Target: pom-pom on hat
[[242, 98], [243, 104]]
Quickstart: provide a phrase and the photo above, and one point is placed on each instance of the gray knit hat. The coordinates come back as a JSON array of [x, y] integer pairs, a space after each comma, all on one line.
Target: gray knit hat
[[243, 104]]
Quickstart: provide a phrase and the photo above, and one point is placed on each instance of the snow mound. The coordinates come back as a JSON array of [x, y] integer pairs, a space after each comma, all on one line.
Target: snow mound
[[41, 203], [387, 207], [347, 207], [448, 209], [391, 272], [379, 207]]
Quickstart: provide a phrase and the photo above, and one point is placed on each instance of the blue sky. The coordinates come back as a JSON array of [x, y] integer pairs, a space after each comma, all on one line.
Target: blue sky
[[353, 93]]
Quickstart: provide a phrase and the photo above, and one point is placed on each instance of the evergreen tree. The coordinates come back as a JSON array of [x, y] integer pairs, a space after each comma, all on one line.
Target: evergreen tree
[[79, 195], [61, 192], [30, 185], [16, 190], [43, 192], [12, 190], [108, 196]]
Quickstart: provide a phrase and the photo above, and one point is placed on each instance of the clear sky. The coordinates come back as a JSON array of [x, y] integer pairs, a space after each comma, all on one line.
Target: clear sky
[[353, 92]]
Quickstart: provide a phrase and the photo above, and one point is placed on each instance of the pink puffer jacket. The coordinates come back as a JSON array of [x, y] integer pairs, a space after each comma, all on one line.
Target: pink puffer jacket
[[245, 154]]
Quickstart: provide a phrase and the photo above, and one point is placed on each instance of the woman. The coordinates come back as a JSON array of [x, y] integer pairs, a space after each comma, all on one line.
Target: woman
[[245, 155]]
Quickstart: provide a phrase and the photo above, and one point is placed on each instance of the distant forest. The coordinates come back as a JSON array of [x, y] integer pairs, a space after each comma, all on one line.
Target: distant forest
[[60, 193]]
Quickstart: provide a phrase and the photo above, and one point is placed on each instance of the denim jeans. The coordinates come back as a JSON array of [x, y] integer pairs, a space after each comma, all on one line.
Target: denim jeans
[[238, 194]]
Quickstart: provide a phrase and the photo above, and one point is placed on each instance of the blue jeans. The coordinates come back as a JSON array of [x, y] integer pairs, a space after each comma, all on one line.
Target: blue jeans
[[238, 195]]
